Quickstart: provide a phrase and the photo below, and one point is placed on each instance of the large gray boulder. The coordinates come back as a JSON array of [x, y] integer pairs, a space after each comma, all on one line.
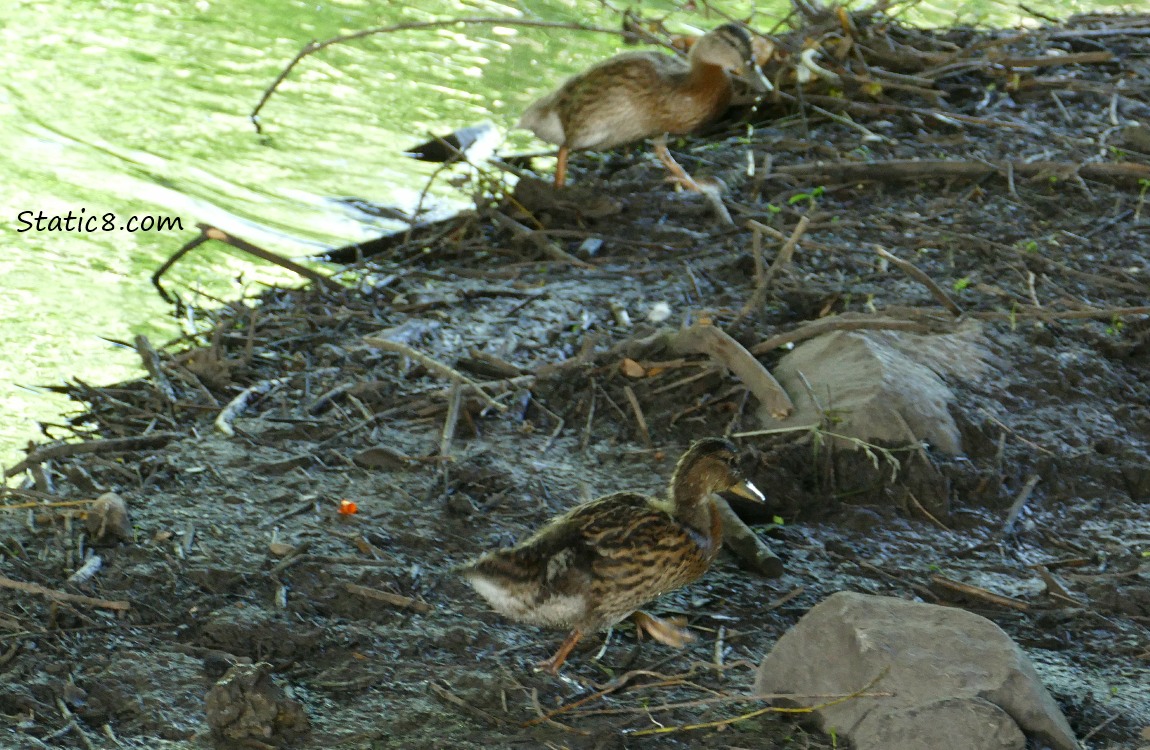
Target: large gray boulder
[[881, 386], [957, 680]]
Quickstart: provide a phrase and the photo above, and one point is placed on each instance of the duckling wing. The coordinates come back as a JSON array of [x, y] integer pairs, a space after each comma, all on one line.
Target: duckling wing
[[621, 100], [538, 584], [550, 578], [640, 552]]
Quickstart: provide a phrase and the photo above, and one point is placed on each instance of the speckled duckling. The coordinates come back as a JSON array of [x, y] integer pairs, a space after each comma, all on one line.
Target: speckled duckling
[[597, 564], [639, 95]]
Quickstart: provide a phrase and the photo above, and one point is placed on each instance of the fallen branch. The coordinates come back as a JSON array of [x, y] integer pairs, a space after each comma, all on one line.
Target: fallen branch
[[537, 238], [111, 445], [951, 118], [764, 276], [788, 250], [920, 276], [151, 360], [312, 47], [980, 593], [719, 346], [1016, 508], [63, 596], [435, 366], [1099, 33], [843, 322], [208, 232], [640, 420], [1097, 313], [1051, 61], [395, 600], [759, 712], [458, 702], [945, 169]]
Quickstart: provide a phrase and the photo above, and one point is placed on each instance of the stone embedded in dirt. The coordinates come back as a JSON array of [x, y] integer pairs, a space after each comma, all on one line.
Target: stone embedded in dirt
[[246, 705], [382, 457], [880, 386], [108, 519], [957, 680]]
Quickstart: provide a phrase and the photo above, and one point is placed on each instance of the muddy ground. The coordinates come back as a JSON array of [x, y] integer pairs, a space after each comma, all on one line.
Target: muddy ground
[[239, 550]]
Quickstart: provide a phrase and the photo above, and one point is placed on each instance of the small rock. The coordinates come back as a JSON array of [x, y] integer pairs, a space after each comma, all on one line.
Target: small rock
[[957, 680], [246, 705], [108, 519]]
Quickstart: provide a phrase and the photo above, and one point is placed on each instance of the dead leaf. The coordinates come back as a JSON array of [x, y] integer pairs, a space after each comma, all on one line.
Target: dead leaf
[[632, 369]]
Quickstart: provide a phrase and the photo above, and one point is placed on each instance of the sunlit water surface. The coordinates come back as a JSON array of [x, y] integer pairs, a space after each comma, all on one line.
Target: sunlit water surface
[[140, 109]]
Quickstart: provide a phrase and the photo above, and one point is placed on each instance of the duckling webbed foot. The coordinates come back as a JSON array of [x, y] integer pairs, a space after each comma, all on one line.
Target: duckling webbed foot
[[679, 175], [663, 631], [553, 664]]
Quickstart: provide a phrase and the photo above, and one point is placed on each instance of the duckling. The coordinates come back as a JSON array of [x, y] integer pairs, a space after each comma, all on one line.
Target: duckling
[[639, 95], [595, 565]]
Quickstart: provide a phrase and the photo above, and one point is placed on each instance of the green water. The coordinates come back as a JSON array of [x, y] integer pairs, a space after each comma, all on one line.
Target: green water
[[139, 109]]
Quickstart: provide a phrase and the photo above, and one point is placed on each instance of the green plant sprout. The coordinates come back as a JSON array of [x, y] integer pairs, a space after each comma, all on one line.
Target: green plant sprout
[[1143, 186], [810, 197]]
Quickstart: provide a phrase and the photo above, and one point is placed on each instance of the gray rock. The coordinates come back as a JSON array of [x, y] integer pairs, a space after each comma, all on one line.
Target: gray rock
[[958, 681], [881, 386]]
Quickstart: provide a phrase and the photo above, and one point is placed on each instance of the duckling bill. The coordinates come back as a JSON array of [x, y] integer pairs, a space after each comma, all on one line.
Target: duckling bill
[[639, 95], [597, 564]]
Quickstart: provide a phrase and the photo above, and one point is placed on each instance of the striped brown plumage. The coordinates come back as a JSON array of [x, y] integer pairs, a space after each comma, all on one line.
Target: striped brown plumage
[[601, 561], [639, 95]]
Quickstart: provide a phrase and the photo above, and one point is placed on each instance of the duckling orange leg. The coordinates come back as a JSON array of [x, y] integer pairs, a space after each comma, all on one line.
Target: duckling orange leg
[[662, 630], [561, 167], [678, 174], [553, 664]]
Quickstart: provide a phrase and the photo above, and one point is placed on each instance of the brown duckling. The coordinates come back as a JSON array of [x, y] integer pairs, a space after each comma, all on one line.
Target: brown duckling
[[595, 565], [639, 95]]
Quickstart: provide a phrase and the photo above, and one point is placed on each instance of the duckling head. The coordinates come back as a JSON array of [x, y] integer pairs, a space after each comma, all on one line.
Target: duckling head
[[709, 466], [734, 49]]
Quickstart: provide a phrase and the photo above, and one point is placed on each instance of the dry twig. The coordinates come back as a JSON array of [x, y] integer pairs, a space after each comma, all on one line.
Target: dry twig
[[717, 344], [640, 420], [1016, 508], [435, 366], [978, 592], [111, 445], [395, 600], [844, 322], [920, 276], [208, 232], [151, 360], [64, 596], [769, 709], [312, 47], [746, 544], [942, 169]]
